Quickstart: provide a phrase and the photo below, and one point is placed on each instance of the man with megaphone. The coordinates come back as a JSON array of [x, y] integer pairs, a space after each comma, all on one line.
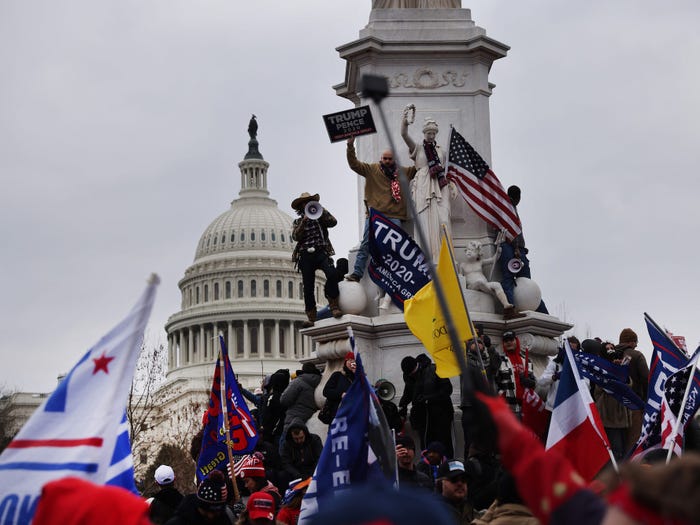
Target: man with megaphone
[[314, 251]]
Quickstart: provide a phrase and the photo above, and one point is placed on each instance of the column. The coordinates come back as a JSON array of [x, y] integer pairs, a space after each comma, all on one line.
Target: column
[[276, 340], [231, 339], [202, 340], [246, 340], [190, 340], [261, 339], [180, 342]]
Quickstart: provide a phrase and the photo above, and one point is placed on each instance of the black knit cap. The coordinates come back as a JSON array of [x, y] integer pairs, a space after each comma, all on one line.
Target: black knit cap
[[211, 493]]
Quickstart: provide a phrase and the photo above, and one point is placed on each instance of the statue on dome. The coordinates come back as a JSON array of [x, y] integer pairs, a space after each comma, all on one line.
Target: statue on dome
[[473, 272], [416, 4], [253, 127], [430, 188]]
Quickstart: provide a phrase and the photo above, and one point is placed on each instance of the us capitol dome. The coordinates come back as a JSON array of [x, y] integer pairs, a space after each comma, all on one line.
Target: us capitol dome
[[242, 284]]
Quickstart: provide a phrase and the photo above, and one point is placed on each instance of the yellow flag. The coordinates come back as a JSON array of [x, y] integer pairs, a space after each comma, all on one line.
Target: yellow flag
[[427, 322]]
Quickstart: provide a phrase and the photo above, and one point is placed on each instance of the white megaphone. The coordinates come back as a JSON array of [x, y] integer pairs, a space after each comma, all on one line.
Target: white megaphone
[[313, 210], [386, 391], [515, 265]]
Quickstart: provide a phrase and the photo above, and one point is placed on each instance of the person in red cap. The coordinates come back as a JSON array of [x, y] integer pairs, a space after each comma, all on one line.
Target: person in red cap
[[251, 470], [339, 382], [260, 510]]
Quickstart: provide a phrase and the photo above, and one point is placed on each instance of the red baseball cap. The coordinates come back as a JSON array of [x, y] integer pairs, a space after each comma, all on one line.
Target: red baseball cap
[[261, 505]]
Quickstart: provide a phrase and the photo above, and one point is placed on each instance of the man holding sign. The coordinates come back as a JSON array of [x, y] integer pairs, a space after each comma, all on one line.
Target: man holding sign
[[382, 192]]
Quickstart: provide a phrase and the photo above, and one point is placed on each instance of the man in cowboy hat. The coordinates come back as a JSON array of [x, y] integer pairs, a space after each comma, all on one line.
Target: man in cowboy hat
[[314, 252]]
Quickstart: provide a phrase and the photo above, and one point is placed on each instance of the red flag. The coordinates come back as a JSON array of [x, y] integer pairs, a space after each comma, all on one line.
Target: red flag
[[535, 415]]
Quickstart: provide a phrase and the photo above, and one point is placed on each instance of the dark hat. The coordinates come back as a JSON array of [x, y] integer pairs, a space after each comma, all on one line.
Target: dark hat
[[592, 346], [211, 493], [436, 446], [260, 505], [509, 334], [303, 199], [406, 441], [377, 503], [451, 469], [408, 364], [628, 336], [514, 193], [310, 368]]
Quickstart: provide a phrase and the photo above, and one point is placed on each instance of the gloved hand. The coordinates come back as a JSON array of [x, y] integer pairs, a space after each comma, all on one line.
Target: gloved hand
[[527, 382]]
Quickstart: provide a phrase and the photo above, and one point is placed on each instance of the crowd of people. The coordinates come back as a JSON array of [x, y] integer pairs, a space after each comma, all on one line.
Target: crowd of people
[[499, 474]]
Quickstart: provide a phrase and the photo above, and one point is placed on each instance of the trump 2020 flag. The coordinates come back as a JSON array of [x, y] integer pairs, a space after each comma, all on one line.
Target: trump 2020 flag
[[426, 319], [666, 359], [354, 452], [226, 403], [81, 429], [575, 428], [397, 264]]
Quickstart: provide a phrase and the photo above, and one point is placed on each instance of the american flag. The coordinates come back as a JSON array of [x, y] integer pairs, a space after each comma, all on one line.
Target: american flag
[[674, 390], [480, 187]]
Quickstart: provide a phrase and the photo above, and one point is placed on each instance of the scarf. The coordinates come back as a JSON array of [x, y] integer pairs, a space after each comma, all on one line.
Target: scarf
[[393, 175], [434, 166]]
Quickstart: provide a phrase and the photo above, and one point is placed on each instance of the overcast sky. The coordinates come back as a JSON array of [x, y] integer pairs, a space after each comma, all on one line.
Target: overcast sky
[[122, 124]]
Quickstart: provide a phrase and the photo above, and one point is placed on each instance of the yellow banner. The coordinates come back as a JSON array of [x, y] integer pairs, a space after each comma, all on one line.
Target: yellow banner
[[427, 322]]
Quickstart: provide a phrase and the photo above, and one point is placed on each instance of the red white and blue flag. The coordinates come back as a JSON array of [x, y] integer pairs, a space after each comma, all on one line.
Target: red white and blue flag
[[81, 429], [575, 428], [480, 187], [225, 403], [673, 432], [666, 359]]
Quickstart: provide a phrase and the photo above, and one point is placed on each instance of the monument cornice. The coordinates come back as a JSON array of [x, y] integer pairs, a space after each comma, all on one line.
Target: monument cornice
[[246, 312]]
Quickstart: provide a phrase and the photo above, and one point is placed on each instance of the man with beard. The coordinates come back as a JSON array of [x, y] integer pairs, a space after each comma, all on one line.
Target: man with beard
[[382, 192]]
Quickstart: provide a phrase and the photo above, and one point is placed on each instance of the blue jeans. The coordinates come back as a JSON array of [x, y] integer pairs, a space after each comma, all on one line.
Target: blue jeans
[[508, 278], [363, 252]]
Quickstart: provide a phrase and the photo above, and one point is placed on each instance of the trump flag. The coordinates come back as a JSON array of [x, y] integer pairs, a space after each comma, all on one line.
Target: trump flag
[[81, 429]]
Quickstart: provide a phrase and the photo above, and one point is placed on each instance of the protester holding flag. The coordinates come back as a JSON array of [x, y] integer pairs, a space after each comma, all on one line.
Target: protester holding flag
[[382, 193], [338, 384], [614, 415], [639, 376]]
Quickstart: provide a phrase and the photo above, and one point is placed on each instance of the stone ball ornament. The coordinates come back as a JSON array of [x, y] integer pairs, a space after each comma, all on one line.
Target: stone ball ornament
[[527, 294], [353, 298]]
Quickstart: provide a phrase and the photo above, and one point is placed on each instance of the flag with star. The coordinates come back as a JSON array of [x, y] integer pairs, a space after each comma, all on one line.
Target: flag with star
[[480, 187], [674, 390], [611, 377], [81, 429]]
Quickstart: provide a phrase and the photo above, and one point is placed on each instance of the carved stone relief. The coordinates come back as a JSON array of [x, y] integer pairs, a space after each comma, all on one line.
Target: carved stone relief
[[424, 78]]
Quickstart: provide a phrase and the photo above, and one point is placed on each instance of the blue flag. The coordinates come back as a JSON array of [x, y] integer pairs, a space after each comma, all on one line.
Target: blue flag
[[666, 359], [397, 264], [610, 377], [225, 403], [359, 448], [81, 429]]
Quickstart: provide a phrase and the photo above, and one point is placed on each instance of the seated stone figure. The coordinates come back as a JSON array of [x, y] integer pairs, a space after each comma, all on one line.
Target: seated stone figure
[[472, 270]]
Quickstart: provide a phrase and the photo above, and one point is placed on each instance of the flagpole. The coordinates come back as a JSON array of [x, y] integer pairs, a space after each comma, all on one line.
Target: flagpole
[[677, 425], [422, 240], [224, 412], [464, 302], [589, 415], [498, 242]]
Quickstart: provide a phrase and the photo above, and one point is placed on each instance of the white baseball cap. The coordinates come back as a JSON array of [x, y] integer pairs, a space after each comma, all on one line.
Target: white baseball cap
[[164, 475]]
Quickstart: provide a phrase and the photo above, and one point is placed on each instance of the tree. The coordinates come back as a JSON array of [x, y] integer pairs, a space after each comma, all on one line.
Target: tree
[[149, 375], [178, 458], [7, 424]]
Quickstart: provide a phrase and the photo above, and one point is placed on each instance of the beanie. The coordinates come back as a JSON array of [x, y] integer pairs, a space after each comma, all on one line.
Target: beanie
[[408, 364], [310, 368], [627, 336], [250, 466], [349, 356], [212, 492]]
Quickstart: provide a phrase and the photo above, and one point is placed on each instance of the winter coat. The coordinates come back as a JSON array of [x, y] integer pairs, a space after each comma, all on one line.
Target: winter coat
[[639, 372], [507, 514], [462, 512], [164, 504], [187, 514], [336, 386], [273, 413], [547, 386], [613, 414], [491, 363], [298, 398], [300, 461], [414, 479]]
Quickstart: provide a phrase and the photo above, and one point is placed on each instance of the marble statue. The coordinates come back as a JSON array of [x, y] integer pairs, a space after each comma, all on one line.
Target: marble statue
[[430, 188], [416, 4], [473, 272]]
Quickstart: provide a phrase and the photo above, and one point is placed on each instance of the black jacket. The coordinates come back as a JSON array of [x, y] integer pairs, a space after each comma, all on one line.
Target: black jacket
[[337, 385], [164, 504], [187, 514], [299, 461]]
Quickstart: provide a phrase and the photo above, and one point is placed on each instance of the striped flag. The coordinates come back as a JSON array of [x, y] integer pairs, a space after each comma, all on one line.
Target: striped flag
[[81, 429], [480, 187], [674, 390], [575, 429]]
